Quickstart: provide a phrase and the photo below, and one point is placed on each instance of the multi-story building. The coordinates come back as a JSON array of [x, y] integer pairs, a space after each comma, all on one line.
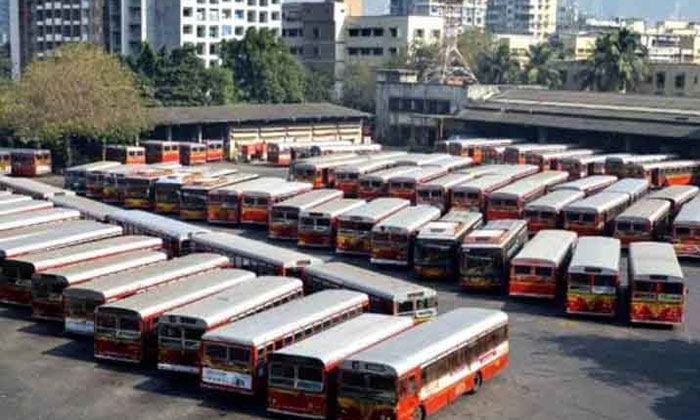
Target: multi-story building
[[472, 13], [567, 16], [524, 17]]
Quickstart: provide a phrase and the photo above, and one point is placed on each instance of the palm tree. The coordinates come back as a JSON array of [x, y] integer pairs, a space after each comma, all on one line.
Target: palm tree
[[619, 63], [538, 70], [498, 66]]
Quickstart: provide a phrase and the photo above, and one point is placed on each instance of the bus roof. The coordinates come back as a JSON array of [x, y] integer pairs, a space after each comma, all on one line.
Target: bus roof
[[239, 188], [31, 187], [532, 183], [627, 159], [451, 226], [450, 162], [333, 345], [408, 220], [365, 167], [33, 230], [485, 183], [7, 197], [386, 174], [676, 194], [597, 203], [584, 160], [418, 174], [309, 199], [286, 319], [547, 247], [422, 344], [654, 261], [494, 233], [107, 287], [633, 187], [371, 282], [156, 224], [445, 182], [93, 166], [515, 171], [75, 232], [124, 147], [91, 209], [235, 301], [212, 183], [645, 210], [335, 159], [18, 220], [333, 208], [124, 170], [567, 153], [689, 214], [596, 254], [278, 189], [192, 145], [24, 206], [86, 270], [376, 209], [536, 147], [555, 201], [587, 183], [668, 164], [420, 159], [320, 148], [238, 245]]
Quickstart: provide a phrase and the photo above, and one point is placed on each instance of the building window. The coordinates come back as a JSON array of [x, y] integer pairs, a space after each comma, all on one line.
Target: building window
[[680, 81], [263, 3], [378, 51], [240, 14], [436, 34], [316, 33], [352, 51], [366, 32], [213, 49], [226, 30], [200, 48], [213, 32], [201, 31], [252, 3], [239, 31], [393, 51], [661, 81], [262, 17], [226, 13], [187, 29], [378, 31], [353, 32], [317, 52], [251, 16], [187, 12], [214, 15], [394, 32], [418, 33], [201, 14]]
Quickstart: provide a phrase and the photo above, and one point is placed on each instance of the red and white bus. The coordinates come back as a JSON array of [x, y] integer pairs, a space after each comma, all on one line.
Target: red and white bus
[[634, 188], [677, 195], [667, 173], [657, 285], [194, 196], [215, 150], [302, 378], [552, 160], [405, 184], [126, 330], [126, 155], [256, 204], [355, 226], [583, 166], [438, 192], [472, 195], [486, 253], [685, 235], [376, 184], [393, 237], [283, 154], [224, 204], [516, 154], [596, 214], [284, 216], [161, 151], [166, 191], [475, 148], [593, 278], [493, 155], [589, 185], [235, 356], [540, 267], [139, 188], [620, 164], [347, 177], [322, 149], [420, 159], [318, 226], [180, 330], [30, 162], [318, 171], [546, 211], [80, 301], [5, 162], [420, 371], [509, 201], [75, 178], [108, 185], [645, 220], [453, 163], [193, 153]]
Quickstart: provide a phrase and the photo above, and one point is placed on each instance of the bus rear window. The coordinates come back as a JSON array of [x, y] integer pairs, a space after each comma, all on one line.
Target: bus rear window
[[215, 352], [605, 281], [521, 270], [129, 324], [237, 354], [672, 288], [543, 271]]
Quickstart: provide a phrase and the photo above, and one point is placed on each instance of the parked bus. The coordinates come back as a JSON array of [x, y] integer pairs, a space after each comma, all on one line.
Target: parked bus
[[619, 165], [32, 188], [387, 295], [677, 195], [7, 197], [215, 150], [376, 184], [180, 330], [126, 330], [685, 235], [516, 154], [404, 185], [393, 238], [355, 226], [546, 211], [256, 256], [194, 197], [35, 218], [161, 151], [347, 177], [140, 188], [475, 148], [24, 207], [256, 204], [109, 185], [302, 378], [47, 286], [283, 154], [515, 172], [318, 226], [453, 163], [584, 166], [438, 192], [645, 220], [235, 356], [166, 191], [493, 155], [472, 195], [318, 171], [436, 248], [539, 268], [126, 155], [420, 371], [193, 154], [80, 301], [5, 162], [667, 173], [420, 159], [87, 208], [284, 216], [224, 204], [322, 149], [510, 201], [30, 162], [75, 178], [589, 185], [552, 160], [634, 188], [596, 214], [485, 255], [657, 285], [593, 278]]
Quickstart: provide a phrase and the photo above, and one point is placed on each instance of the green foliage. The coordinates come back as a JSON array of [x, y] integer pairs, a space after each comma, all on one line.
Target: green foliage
[[474, 44], [538, 69], [318, 86], [359, 87], [497, 66], [419, 57]]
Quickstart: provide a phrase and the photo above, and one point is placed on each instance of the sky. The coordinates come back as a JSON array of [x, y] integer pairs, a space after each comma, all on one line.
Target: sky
[[653, 10]]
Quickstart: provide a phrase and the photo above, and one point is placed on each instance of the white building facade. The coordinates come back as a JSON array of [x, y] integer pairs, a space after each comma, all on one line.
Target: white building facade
[[524, 17]]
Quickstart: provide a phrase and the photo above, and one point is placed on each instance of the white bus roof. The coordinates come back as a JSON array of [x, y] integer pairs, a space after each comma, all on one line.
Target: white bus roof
[[156, 224], [676, 194], [278, 322], [93, 166], [107, 287], [348, 148], [76, 232], [233, 244], [419, 173], [689, 215], [547, 247], [555, 201], [420, 159], [494, 233], [597, 203], [24, 206], [668, 164], [537, 147], [333, 208], [424, 343], [376, 209], [596, 254], [627, 159], [584, 160], [235, 301], [279, 189], [27, 231], [83, 271], [408, 220], [386, 174], [485, 183], [335, 159], [364, 167], [309, 199], [333, 345], [373, 283], [124, 170], [567, 153], [7, 197], [585, 184], [630, 186], [451, 226], [239, 188], [445, 182], [31, 187], [645, 210], [654, 261], [91, 209], [450, 162], [211, 183], [532, 183], [39, 217]]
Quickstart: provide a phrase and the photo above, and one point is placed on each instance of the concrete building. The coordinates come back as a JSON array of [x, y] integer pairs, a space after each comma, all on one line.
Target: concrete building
[[524, 17], [519, 45], [473, 11], [567, 16]]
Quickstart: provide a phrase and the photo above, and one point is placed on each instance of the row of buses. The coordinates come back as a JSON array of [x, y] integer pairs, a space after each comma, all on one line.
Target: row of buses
[[284, 154], [25, 162]]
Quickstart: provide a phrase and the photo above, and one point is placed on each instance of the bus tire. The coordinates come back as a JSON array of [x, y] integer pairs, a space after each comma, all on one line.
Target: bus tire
[[419, 413], [476, 385]]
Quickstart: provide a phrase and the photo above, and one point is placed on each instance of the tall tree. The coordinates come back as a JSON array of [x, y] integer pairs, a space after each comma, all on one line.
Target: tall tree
[[474, 44], [318, 86], [538, 70], [497, 66], [618, 64], [359, 87]]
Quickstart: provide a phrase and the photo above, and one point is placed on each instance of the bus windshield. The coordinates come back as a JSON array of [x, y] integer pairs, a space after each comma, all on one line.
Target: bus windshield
[[303, 378], [178, 337], [138, 188], [168, 193], [433, 253], [483, 262], [194, 199], [368, 387]]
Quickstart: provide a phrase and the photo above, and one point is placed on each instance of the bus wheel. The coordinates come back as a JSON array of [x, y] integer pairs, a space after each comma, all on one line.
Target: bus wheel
[[476, 386], [419, 413]]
